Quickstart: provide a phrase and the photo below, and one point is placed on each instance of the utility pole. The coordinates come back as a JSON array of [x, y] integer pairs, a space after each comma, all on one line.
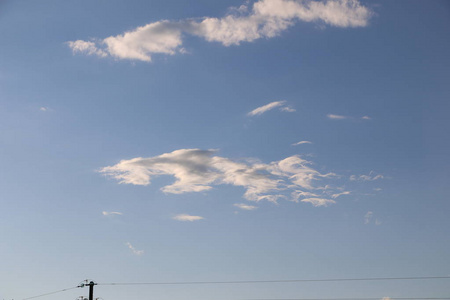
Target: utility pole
[[91, 290]]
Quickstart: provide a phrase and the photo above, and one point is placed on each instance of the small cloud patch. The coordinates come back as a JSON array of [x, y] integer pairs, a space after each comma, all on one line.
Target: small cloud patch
[[265, 108], [244, 206], [301, 143], [187, 218], [134, 250], [111, 213]]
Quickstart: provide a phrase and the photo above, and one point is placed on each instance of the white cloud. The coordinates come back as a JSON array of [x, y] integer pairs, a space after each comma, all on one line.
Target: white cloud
[[111, 213], [43, 108], [319, 201], [245, 206], [265, 19], [185, 217], [370, 177], [366, 118], [88, 48], [288, 109], [334, 196], [301, 143], [198, 170], [134, 250], [262, 109], [368, 217], [337, 117], [159, 37]]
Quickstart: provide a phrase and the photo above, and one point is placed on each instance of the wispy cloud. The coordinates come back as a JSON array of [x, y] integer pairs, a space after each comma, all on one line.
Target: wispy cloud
[[367, 217], [134, 250], [264, 19], [371, 177], [198, 170], [262, 109], [245, 206], [319, 201], [301, 143], [288, 109], [88, 48], [334, 196], [336, 117], [111, 213], [185, 217], [43, 108], [341, 117]]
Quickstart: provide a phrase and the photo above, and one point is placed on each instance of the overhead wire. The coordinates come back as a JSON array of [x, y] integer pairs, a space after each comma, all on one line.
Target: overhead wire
[[273, 281], [277, 281], [361, 298], [51, 293]]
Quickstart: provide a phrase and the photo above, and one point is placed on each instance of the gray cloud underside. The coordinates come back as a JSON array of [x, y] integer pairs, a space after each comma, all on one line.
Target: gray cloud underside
[[265, 19], [197, 170]]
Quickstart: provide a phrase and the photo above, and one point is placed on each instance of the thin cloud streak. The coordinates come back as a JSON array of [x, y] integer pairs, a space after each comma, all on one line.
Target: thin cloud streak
[[301, 143], [370, 177], [334, 196], [244, 206], [341, 117], [264, 19], [185, 217], [336, 117], [262, 109], [319, 201], [111, 213], [134, 250]]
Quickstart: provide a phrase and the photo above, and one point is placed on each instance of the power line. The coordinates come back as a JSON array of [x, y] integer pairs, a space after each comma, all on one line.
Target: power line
[[51, 293], [378, 298], [276, 281]]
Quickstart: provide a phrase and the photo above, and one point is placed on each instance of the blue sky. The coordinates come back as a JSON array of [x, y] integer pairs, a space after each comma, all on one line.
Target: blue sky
[[152, 141]]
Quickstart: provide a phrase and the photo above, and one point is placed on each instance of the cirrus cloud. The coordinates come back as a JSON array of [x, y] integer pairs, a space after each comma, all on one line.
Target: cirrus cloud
[[262, 109], [301, 143]]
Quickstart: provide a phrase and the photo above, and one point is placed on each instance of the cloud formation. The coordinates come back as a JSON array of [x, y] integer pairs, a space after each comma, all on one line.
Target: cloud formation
[[334, 196], [336, 117], [244, 206], [301, 143], [368, 217], [185, 217], [111, 213], [264, 19], [134, 250], [197, 170], [341, 117], [319, 201], [371, 177], [262, 109]]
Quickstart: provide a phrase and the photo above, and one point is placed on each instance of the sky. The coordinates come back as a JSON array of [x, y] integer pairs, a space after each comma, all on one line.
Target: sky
[[175, 141]]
